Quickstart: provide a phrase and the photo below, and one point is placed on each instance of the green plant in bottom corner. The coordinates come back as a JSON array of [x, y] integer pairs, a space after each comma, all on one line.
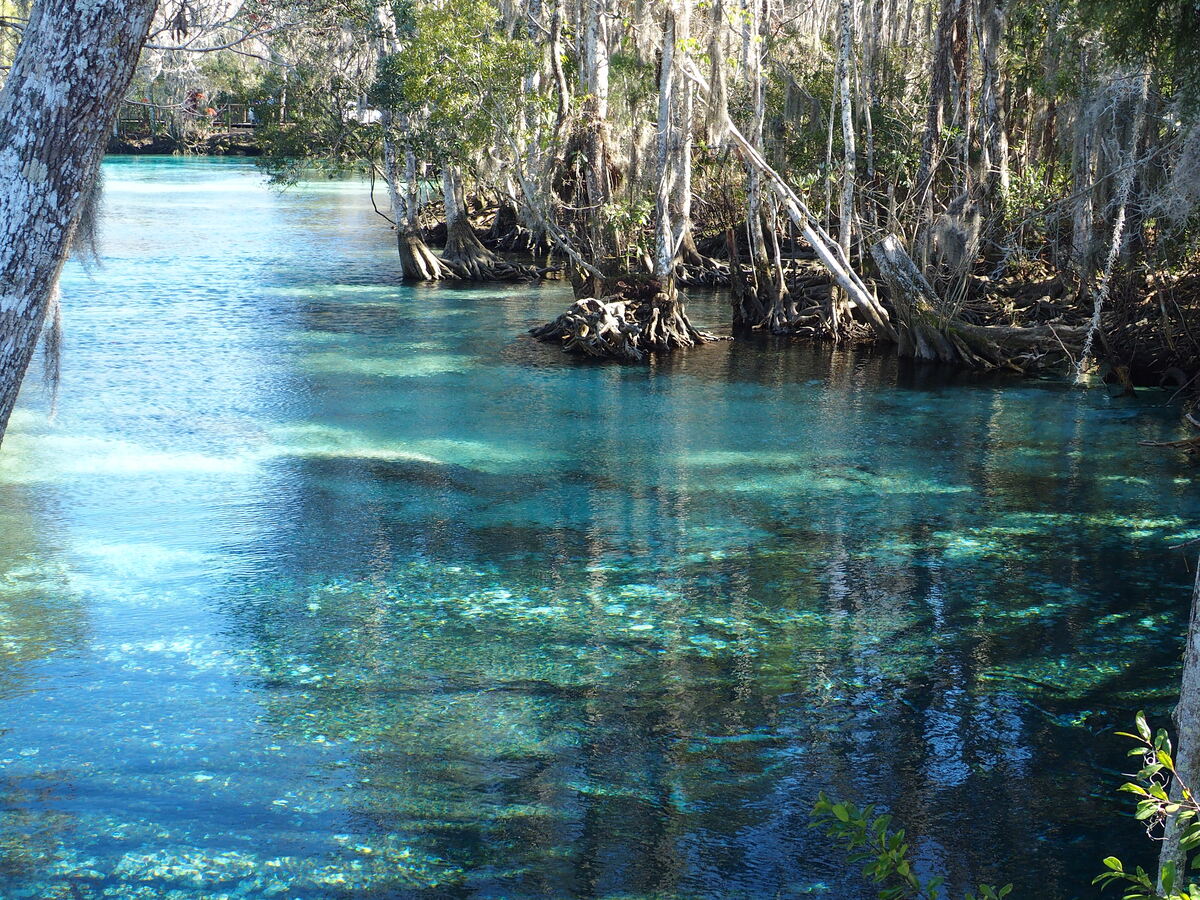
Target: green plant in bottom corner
[[884, 853], [1164, 803]]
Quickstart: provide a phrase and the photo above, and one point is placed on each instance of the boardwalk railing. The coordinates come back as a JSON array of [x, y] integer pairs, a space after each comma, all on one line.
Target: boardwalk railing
[[144, 117]]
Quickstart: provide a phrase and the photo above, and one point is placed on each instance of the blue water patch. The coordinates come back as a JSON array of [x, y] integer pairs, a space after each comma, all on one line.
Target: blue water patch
[[319, 585]]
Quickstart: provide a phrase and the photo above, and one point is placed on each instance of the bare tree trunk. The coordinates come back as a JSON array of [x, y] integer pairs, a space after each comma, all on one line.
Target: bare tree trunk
[[56, 111], [827, 250], [668, 154], [765, 304], [838, 306], [994, 147], [939, 85], [463, 250], [1083, 173], [594, 73], [417, 261], [647, 316], [464, 254], [929, 329], [562, 91], [1187, 740]]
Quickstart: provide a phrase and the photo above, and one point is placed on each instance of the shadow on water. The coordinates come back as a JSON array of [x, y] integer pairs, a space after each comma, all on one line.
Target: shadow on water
[[332, 587]]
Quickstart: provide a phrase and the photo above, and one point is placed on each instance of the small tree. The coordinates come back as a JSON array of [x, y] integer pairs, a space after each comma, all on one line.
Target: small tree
[[449, 84]]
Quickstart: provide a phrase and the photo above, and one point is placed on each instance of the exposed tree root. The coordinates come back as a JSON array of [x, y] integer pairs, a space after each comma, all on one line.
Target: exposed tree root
[[695, 269], [417, 261], [626, 326], [464, 259], [507, 232], [466, 256], [931, 330]]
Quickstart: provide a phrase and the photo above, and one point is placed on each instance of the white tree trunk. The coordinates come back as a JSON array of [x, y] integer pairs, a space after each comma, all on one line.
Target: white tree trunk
[[685, 103], [391, 171], [56, 111], [759, 262], [993, 146], [1187, 734], [846, 206], [664, 235], [594, 83]]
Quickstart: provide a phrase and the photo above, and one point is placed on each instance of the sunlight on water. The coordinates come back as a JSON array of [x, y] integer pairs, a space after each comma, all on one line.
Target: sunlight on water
[[322, 586]]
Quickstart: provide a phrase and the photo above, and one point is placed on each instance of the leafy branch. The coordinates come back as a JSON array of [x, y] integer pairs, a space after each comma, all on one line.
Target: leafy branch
[[1153, 785], [884, 853]]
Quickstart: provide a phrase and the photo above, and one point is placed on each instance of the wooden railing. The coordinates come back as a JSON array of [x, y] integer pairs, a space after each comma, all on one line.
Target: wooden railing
[[141, 117]]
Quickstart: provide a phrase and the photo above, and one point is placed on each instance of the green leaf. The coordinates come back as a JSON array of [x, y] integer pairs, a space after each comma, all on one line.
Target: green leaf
[[1142, 726]]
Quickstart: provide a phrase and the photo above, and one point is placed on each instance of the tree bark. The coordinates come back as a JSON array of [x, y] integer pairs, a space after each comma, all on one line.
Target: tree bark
[[994, 146], [417, 261], [1187, 740], [838, 307], [594, 74], [463, 249], [669, 326], [56, 112]]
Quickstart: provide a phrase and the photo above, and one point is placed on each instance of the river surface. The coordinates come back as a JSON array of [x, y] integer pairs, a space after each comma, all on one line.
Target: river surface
[[321, 586]]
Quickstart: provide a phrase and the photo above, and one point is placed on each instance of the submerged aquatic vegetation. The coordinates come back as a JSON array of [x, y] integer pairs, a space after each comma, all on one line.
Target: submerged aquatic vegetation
[[547, 629]]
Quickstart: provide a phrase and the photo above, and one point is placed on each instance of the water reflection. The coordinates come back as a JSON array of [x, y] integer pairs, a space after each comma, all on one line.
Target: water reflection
[[323, 586]]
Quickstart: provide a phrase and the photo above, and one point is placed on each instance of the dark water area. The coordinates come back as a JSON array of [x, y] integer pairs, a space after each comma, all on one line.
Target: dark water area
[[322, 586]]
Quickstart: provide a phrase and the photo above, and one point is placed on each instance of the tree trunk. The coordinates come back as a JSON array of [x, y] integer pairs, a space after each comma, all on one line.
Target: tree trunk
[[463, 250], [994, 156], [464, 254], [417, 261], [1083, 173], [56, 112], [765, 304], [648, 316], [939, 84], [1187, 737], [668, 157], [669, 327], [827, 250], [838, 305], [929, 330], [594, 74]]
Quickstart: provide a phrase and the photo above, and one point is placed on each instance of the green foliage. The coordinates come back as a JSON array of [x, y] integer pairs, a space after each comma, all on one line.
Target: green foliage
[[1165, 33], [884, 853], [631, 223], [1152, 786], [456, 79], [635, 82]]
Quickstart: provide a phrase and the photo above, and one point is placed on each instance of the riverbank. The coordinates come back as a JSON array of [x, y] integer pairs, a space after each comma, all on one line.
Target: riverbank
[[238, 142], [1149, 325]]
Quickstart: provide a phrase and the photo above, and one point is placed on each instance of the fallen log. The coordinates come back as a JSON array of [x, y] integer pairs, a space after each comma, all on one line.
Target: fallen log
[[930, 329]]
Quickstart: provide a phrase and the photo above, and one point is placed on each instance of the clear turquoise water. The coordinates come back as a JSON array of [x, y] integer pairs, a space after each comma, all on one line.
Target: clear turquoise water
[[319, 586]]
